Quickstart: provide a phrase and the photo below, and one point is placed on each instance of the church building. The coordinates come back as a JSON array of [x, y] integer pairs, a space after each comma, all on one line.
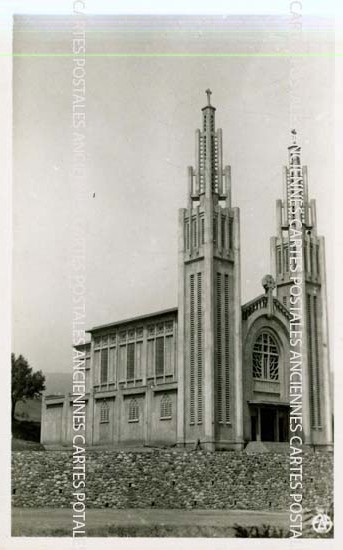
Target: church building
[[212, 373]]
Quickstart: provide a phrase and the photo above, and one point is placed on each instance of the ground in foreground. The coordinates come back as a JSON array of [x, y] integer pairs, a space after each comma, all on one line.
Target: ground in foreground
[[47, 522]]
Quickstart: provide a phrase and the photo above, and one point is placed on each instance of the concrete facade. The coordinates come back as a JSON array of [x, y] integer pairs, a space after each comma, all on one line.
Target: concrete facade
[[212, 373]]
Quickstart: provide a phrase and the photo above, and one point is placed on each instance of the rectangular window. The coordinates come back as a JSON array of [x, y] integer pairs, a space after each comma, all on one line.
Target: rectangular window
[[230, 233], [104, 366], [130, 361], [199, 333], [104, 413], [151, 355], [194, 232], [305, 256], [215, 230], [122, 362], [97, 366], [187, 235], [318, 260], [223, 231], [220, 381], [159, 356], [112, 367], [278, 259], [139, 372], [169, 356], [192, 350], [286, 258], [202, 231], [227, 290]]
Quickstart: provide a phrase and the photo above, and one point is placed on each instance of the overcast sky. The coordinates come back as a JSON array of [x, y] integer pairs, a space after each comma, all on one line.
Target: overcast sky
[[142, 113]]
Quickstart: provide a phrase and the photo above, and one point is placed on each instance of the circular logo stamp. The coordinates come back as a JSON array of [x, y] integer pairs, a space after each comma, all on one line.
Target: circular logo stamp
[[322, 524]]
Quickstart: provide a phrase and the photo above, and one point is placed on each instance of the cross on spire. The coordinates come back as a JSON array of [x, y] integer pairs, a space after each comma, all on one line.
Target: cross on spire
[[294, 134], [209, 93]]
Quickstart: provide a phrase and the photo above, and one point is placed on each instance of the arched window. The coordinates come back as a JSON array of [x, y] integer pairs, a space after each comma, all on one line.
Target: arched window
[[133, 411], [265, 358], [166, 407], [104, 413]]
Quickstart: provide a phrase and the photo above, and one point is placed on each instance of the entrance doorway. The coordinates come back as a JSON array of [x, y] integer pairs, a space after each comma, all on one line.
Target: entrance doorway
[[268, 419], [269, 423]]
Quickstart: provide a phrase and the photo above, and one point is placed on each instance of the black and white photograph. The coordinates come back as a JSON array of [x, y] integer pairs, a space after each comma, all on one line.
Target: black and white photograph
[[173, 266]]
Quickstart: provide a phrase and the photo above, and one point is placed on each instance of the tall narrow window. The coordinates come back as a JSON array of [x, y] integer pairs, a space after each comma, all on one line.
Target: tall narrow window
[[166, 407], [130, 361], [316, 347], [215, 230], [223, 231], [219, 349], [169, 355], [122, 363], [318, 260], [159, 356], [187, 235], [112, 367], [278, 259], [194, 233], [227, 346], [286, 258], [151, 356], [230, 233], [312, 371], [97, 366], [199, 332], [104, 366], [192, 350], [306, 256], [133, 411], [104, 413], [202, 231]]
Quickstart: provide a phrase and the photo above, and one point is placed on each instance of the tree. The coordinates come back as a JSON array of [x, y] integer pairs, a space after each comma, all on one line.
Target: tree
[[25, 383]]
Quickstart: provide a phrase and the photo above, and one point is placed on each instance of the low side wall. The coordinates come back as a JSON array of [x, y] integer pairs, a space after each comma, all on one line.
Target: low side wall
[[170, 479]]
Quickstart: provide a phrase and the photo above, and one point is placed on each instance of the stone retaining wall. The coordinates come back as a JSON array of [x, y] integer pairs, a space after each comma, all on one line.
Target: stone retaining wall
[[170, 479]]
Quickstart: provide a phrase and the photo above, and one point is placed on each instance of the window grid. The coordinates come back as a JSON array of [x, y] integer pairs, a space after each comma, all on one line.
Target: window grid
[[312, 380], [286, 259], [104, 413], [159, 356], [227, 348], [265, 358], [133, 411], [230, 233], [215, 230], [278, 259], [202, 231], [166, 407], [130, 361], [223, 231], [199, 331], [194, 232], [219, 351], [316, 346], [192, 350], [104, 366]]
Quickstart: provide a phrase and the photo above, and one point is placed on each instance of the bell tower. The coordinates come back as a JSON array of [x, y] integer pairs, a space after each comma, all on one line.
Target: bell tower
[[209, 301], [296, 213]]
